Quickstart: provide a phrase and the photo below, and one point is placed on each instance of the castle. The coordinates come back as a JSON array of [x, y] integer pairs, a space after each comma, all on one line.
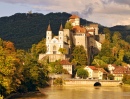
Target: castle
[[86, 36]]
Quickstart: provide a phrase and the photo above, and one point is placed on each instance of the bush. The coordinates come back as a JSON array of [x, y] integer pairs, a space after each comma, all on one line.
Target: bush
[[58, 81]]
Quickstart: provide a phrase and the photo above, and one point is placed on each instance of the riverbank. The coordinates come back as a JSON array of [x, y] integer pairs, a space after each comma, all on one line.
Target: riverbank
[[17, 95]]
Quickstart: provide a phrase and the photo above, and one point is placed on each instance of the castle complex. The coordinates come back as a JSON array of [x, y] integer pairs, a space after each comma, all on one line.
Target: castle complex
[[86, 36]]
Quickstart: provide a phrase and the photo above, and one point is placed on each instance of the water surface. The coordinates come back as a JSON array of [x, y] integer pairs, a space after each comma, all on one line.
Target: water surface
[[71, 92]]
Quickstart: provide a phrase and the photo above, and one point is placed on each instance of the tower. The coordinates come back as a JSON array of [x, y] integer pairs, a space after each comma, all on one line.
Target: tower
[[48, 38], [48, 34], [61, 34]]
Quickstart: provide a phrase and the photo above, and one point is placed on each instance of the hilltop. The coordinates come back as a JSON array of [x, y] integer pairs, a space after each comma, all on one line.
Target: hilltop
[[25, 29]]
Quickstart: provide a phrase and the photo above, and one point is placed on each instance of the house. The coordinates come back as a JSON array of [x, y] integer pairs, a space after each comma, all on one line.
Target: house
[[67, 65], [119, 72], [105, 73], [94, 73]]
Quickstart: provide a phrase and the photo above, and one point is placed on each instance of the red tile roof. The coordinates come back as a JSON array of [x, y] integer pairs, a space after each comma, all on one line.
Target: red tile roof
[[65, 62], [93, 67], [79, 29], [74, 16], [121, 70]]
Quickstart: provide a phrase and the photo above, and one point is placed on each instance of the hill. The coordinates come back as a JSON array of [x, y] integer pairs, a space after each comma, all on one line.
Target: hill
[[25, 29]]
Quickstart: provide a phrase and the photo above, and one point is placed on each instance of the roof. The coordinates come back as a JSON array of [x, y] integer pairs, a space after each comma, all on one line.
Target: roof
[[49, 28], [61, 28], [93, 67], [121, 70], [79, 29], [65, 62], [88, 34], [74, 16], [102, 70]]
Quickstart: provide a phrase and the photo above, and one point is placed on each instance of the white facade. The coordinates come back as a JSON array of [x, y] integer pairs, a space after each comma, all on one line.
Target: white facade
[[94, 73], [55, 43]]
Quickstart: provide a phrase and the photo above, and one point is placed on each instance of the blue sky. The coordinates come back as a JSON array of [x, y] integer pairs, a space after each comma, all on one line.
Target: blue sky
[[106, 12]]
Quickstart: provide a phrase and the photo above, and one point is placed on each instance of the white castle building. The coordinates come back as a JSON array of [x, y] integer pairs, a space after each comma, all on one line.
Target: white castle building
[[79, 35]]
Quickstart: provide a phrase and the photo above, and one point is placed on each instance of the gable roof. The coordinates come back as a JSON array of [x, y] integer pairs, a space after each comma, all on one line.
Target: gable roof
[[102, 70], [65, 62]]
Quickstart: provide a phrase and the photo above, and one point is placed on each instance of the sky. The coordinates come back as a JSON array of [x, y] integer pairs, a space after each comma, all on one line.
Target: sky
[[105, 12]]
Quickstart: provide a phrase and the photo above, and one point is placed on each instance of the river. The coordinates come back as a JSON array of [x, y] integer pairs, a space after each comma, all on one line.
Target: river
[[72, 92]]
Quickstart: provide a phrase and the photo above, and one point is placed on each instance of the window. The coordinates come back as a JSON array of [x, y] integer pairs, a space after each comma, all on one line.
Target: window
[[48, 37]]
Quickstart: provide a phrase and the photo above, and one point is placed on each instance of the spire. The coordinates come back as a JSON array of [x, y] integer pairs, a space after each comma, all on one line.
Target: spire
[[49, 27], [61, 28]]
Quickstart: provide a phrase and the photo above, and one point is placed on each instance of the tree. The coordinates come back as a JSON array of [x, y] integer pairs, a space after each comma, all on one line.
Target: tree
[[128, 38], [107, 33], [126, 79], [82, 73], [79, 54], [63, 50], [116, 37], [127, 57], [68, 25], [38, 48], [111, 77], [121, 54]]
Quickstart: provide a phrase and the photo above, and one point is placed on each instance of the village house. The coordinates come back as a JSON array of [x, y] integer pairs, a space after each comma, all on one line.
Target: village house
[[118, 71], [67, 66], [96, 73]]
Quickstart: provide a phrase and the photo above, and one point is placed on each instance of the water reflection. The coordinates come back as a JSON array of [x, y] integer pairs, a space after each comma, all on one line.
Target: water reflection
[[80, 93]]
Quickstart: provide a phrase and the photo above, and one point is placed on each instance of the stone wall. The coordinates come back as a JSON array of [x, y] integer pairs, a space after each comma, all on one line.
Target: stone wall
[[84, 82]]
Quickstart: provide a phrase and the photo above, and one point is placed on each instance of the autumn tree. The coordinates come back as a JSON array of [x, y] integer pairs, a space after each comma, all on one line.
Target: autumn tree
[[79, 55]]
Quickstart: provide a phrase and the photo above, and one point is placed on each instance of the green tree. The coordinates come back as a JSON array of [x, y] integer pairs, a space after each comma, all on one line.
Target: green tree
[[127, 57], [111, 77], [63, 50], [126, 79], [82, 73], [38, 48], [128, 38], [68, 25], [116, 37], [121, 54], [107, 33], [79, 54]]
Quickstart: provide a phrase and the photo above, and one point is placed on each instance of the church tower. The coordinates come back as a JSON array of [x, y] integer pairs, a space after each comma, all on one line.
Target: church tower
[[48, 38], [48, 34], [61, 34]]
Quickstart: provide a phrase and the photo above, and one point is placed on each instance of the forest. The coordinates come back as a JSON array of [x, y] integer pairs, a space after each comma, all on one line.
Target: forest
[[25, 29]]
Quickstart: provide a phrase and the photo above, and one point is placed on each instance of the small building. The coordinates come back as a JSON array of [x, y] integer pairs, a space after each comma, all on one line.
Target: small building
[[105, 73], [67, 65], [119, 72], [94, 73]]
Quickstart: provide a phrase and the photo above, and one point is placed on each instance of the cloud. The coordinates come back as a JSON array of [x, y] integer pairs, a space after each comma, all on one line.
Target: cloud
[[105, 12], [126, 2]]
